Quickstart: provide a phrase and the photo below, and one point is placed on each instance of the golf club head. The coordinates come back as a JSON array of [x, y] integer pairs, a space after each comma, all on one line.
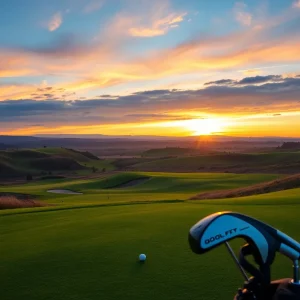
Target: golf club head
[[221, 227]]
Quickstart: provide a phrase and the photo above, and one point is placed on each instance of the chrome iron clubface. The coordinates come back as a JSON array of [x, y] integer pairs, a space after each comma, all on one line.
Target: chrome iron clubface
[[263, 241]]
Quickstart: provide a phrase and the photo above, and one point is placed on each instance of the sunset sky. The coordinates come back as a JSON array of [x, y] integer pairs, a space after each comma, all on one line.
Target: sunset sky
[[141, 67]]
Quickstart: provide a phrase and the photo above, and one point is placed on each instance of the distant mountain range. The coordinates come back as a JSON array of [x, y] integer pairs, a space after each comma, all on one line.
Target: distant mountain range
[[4, 146], [132, 146], [80, 140], [150, 137]]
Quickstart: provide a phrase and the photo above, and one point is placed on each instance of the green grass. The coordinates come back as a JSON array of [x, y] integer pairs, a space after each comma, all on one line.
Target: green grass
[[34, 161], [286, 197], [92, 253], [83, 160], [160, 186], [224, 161], [16, 163], [169, 151], [63, 152], [87, 246]]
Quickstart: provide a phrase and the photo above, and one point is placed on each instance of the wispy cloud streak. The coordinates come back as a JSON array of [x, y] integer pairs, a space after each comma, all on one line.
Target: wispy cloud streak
[[242, 15], [55, 22]]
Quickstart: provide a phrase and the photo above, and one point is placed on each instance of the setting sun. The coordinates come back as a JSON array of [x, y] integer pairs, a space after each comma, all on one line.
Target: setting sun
[[204, 126]]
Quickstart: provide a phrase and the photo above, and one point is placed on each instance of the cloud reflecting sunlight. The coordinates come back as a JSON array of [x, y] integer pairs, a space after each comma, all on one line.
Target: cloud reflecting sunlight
[[164, 67]]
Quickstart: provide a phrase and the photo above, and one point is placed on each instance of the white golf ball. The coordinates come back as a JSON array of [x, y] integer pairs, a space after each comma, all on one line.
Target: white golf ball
[[142, 257]]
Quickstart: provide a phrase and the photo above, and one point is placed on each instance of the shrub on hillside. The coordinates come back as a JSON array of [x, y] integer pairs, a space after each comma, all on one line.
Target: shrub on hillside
[[290, 146]]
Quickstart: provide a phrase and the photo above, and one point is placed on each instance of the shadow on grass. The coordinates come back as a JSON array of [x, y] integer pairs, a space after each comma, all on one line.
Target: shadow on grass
[[138, 267]]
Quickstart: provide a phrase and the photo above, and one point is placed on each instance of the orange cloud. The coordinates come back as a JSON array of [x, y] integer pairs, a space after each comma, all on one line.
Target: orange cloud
[[146, 32], [13, 64], [245, 125], [12, 91], [14, 73], [103, 63], [146, 20], [251, 98], [55, 22], [187, 58], [198, 56], [252, 72], [159, 26]]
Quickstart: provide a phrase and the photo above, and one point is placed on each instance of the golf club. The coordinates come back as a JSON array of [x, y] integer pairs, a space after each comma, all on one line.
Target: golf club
[[263, 242]]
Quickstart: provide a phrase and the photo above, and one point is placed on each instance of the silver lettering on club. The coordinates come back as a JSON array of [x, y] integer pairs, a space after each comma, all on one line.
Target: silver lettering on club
[[220, 236]]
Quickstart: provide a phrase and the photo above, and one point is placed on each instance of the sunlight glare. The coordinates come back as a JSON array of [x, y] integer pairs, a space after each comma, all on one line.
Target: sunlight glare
[[205, 126]]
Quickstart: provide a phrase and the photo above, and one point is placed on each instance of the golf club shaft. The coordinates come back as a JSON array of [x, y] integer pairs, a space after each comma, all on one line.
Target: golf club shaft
[[296, 272], [236, 261]]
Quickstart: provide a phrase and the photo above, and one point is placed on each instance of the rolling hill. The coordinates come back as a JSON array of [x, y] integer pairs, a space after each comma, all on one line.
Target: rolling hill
[[16, 163], [270, 162], [148, 187], [4, 146], [280, 184], [171, 151]]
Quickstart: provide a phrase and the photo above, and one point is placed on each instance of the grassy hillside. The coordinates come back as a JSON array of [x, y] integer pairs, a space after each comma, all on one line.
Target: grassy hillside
[[170, 151], [55, 163], [273, 162], [16, 163], [280, 184], [65, 152], [6, 168], [158, 187], [127, 163]]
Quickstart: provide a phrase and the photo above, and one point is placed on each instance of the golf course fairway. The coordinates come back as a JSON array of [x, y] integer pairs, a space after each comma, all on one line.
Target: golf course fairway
[[88, 250]]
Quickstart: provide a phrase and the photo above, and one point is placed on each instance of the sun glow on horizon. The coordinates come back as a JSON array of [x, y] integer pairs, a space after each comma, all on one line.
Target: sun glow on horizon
[[283, 124], [205, 126]]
